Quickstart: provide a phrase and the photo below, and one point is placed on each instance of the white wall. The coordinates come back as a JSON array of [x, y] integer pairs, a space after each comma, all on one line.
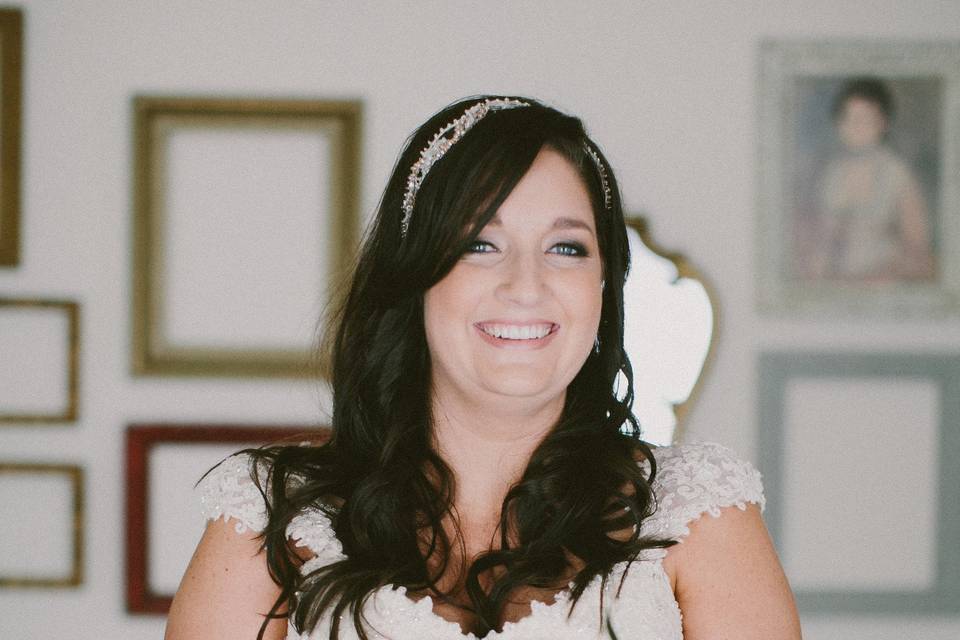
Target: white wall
[[667, 88]]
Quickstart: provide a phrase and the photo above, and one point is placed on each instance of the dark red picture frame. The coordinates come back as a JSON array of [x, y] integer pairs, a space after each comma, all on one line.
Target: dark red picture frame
[[140, 440]]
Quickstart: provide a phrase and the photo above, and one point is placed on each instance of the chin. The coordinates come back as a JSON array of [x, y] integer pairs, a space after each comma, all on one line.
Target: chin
[[516, 385]]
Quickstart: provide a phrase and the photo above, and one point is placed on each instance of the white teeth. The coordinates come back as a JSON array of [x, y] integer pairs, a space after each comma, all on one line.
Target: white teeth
[[515, 332]]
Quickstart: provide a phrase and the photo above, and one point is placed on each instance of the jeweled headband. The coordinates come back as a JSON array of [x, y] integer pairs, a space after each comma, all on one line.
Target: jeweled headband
[[454, 131]]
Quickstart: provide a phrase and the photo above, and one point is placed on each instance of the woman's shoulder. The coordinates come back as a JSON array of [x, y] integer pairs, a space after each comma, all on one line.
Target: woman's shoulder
[[697, 478]]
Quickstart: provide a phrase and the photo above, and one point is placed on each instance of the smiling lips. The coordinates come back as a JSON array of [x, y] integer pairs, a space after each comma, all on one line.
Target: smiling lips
[[503, 333]]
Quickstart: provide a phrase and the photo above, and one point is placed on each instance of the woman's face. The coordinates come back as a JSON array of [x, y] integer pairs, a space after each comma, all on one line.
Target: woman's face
[[861, 123], [518, 315]]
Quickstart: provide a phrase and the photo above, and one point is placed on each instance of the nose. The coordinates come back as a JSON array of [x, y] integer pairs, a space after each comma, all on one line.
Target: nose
[[523, 279]]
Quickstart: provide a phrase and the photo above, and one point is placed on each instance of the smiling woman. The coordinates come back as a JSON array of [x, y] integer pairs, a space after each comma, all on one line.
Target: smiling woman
[[483, 478]]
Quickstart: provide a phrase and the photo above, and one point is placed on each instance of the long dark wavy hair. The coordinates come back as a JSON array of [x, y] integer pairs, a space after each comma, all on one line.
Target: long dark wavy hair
[[379, 479]]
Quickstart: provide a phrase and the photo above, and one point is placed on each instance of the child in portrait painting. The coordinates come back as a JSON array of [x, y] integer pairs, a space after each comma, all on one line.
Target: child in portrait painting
[[874, 222]]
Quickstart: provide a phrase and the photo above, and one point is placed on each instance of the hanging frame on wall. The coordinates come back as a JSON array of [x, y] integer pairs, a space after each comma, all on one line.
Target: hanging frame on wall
[[11, 48], [859, 197], [163, 518], [45, 334], [42, 499], [669, 334], [858, 453], [245, 222]]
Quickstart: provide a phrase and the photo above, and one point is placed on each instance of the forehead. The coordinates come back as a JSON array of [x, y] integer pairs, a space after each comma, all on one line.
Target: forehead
[[551, 193], [858, 105]]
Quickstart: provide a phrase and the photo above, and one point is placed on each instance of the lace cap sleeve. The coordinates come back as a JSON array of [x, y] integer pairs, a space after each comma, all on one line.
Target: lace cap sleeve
[[693, 479], [228, 491]]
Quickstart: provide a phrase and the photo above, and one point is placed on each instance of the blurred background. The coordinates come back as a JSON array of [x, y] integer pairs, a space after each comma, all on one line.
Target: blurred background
[[671, 91]]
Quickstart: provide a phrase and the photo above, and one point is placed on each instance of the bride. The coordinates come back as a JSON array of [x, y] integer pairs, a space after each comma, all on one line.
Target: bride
[[483, 477]]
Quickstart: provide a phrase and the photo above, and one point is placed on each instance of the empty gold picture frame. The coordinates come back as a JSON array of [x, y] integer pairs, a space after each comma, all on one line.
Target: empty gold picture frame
[[11, 48], [72, 531], [179, 194], [71, 311]]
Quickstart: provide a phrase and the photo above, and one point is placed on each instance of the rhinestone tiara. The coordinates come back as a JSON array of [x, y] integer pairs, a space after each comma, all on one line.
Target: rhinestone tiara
[[450, 134], [602, 172], [441, 143]]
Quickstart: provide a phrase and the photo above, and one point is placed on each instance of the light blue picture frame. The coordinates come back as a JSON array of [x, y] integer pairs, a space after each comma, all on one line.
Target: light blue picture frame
[[775, 370]]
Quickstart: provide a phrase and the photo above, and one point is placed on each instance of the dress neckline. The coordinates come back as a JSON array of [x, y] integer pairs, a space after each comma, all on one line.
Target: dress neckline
[[312, 529], [539, 610]]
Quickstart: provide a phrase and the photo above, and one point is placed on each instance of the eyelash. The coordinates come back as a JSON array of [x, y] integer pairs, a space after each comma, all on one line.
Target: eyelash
[[571, 249]]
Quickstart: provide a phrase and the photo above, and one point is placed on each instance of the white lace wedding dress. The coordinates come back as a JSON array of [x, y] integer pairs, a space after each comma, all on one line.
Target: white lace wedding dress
[[692, 480]]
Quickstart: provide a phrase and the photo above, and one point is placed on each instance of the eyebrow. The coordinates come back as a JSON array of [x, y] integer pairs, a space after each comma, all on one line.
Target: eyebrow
[[562, 222]]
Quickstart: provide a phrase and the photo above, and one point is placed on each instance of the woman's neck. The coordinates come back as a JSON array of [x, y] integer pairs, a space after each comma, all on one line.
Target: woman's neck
[[488, 448]]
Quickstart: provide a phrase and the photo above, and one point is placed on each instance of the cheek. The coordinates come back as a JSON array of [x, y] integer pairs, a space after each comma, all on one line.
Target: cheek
[[434, 317], [862, 130], [850, 132], [445, 306], [584, 303]]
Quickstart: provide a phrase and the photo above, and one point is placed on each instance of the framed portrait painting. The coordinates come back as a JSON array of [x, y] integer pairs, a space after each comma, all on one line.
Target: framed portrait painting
[[859, 203]]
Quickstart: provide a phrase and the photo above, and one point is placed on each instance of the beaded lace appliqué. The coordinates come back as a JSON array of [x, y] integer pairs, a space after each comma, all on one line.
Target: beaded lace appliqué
[[695, 479], [228, 492]]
